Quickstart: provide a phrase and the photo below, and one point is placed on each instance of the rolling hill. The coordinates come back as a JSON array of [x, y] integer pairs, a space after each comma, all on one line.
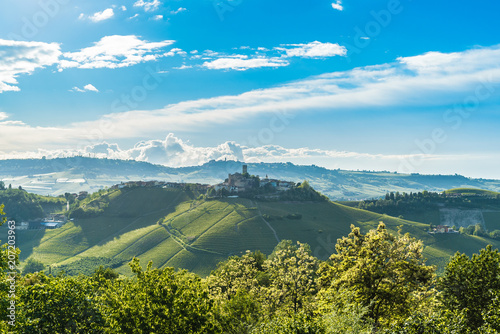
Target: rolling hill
[[177, 228], [57, 176]]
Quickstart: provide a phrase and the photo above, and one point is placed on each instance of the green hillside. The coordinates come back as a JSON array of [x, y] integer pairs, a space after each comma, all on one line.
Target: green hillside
[[175, 228], [472, 192], [21, 205]]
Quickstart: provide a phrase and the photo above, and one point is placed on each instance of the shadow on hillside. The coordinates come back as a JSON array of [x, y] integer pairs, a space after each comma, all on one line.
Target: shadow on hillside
[[126, 214], [26, 240]]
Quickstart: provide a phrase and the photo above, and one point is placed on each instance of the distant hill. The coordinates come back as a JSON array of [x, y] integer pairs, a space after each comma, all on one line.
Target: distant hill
[[21, 205], [57, 176], [178, 228], [472, 192]]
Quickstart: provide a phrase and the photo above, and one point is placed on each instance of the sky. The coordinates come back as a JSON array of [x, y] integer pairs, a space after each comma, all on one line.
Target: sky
[[397, 85]]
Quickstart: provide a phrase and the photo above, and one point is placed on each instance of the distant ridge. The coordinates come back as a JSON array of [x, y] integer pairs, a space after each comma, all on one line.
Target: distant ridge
[[60, 175]]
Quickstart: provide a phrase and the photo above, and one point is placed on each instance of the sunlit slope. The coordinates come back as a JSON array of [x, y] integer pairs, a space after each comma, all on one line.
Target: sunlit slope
[[175, 228], [126, 212], [471, 191]]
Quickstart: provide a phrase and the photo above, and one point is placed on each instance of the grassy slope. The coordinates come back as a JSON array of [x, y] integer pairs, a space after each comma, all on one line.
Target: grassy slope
[[471, 191], [170, 228]]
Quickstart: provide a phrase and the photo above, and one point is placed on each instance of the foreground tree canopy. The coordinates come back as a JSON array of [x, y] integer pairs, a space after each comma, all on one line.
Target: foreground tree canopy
[[374, 282]]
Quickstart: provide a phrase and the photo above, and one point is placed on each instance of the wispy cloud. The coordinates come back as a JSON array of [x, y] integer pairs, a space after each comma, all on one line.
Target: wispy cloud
[[99, 16], [418, 81], [177, 11], [149, 6], [242, 63], [86, 88], [270, 58], [175, 51], [17, 58], [114, 52], [337, 5], [314, 50]]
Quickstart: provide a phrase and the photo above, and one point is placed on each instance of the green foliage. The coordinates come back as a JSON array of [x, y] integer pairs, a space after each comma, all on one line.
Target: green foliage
[[339, 313], [159, 301], [87, 266], [304, 192], [2, 219], [26, 206], [386, 272], [292, 274], [288, 324], [32, 266], [495, 234], [59, 305], [471, 285]]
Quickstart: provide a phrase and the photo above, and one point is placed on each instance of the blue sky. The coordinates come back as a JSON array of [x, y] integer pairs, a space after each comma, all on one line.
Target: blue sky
[[402, 85]]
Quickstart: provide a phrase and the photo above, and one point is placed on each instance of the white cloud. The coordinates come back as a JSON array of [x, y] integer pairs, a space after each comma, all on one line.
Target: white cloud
[[3, 115], [183, 67], [179, 10], [408, 81], [242, 63], [123, 8], [175, 51], [174, 152], [337, 5], [149, 6], [102, 16], [133, 17], [157, 17], [90, 88], [18, 58], [114, 52], [86, 88], [315, 50]]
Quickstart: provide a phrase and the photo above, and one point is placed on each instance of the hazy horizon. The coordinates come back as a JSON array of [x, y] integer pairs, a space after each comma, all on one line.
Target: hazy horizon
[[373, 85]]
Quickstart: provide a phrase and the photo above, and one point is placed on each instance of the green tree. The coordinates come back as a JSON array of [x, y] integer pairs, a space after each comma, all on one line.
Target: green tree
[[235, 288], [340, 313], [159, 301], [293, 280], [387, 273], [471, 284], [32, 266], [59, 305]]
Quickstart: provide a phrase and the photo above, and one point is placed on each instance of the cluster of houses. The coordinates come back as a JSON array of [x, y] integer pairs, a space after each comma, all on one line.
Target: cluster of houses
[[443, 229], [159, 184], [49, 223], [241, 182], [235, 183]]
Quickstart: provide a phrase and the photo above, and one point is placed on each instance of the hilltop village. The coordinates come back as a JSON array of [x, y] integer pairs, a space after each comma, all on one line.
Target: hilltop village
[[235, 184]]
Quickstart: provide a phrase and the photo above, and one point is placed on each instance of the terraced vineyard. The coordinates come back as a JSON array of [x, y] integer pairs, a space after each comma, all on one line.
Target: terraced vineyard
[[175, 228]]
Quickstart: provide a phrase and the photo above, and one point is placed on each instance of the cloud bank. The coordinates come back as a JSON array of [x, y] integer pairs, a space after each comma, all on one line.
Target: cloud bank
[[114, 52], [17, 58], [423, 81]]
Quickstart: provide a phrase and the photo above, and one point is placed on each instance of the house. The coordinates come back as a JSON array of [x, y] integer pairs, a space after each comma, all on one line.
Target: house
[[50, 225], [22, 226], [82, 195]]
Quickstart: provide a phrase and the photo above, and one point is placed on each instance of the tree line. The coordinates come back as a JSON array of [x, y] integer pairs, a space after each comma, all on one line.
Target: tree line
[[375, 282]]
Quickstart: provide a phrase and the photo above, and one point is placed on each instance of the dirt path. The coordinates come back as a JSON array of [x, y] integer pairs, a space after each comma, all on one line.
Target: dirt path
[[267, 223]]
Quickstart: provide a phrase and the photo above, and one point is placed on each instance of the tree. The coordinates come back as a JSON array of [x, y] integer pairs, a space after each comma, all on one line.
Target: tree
[[292, 273], [159, 301], [386, 272], [32, 266], [59, 305], [235, 288], [470, 284], [2, 185]]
